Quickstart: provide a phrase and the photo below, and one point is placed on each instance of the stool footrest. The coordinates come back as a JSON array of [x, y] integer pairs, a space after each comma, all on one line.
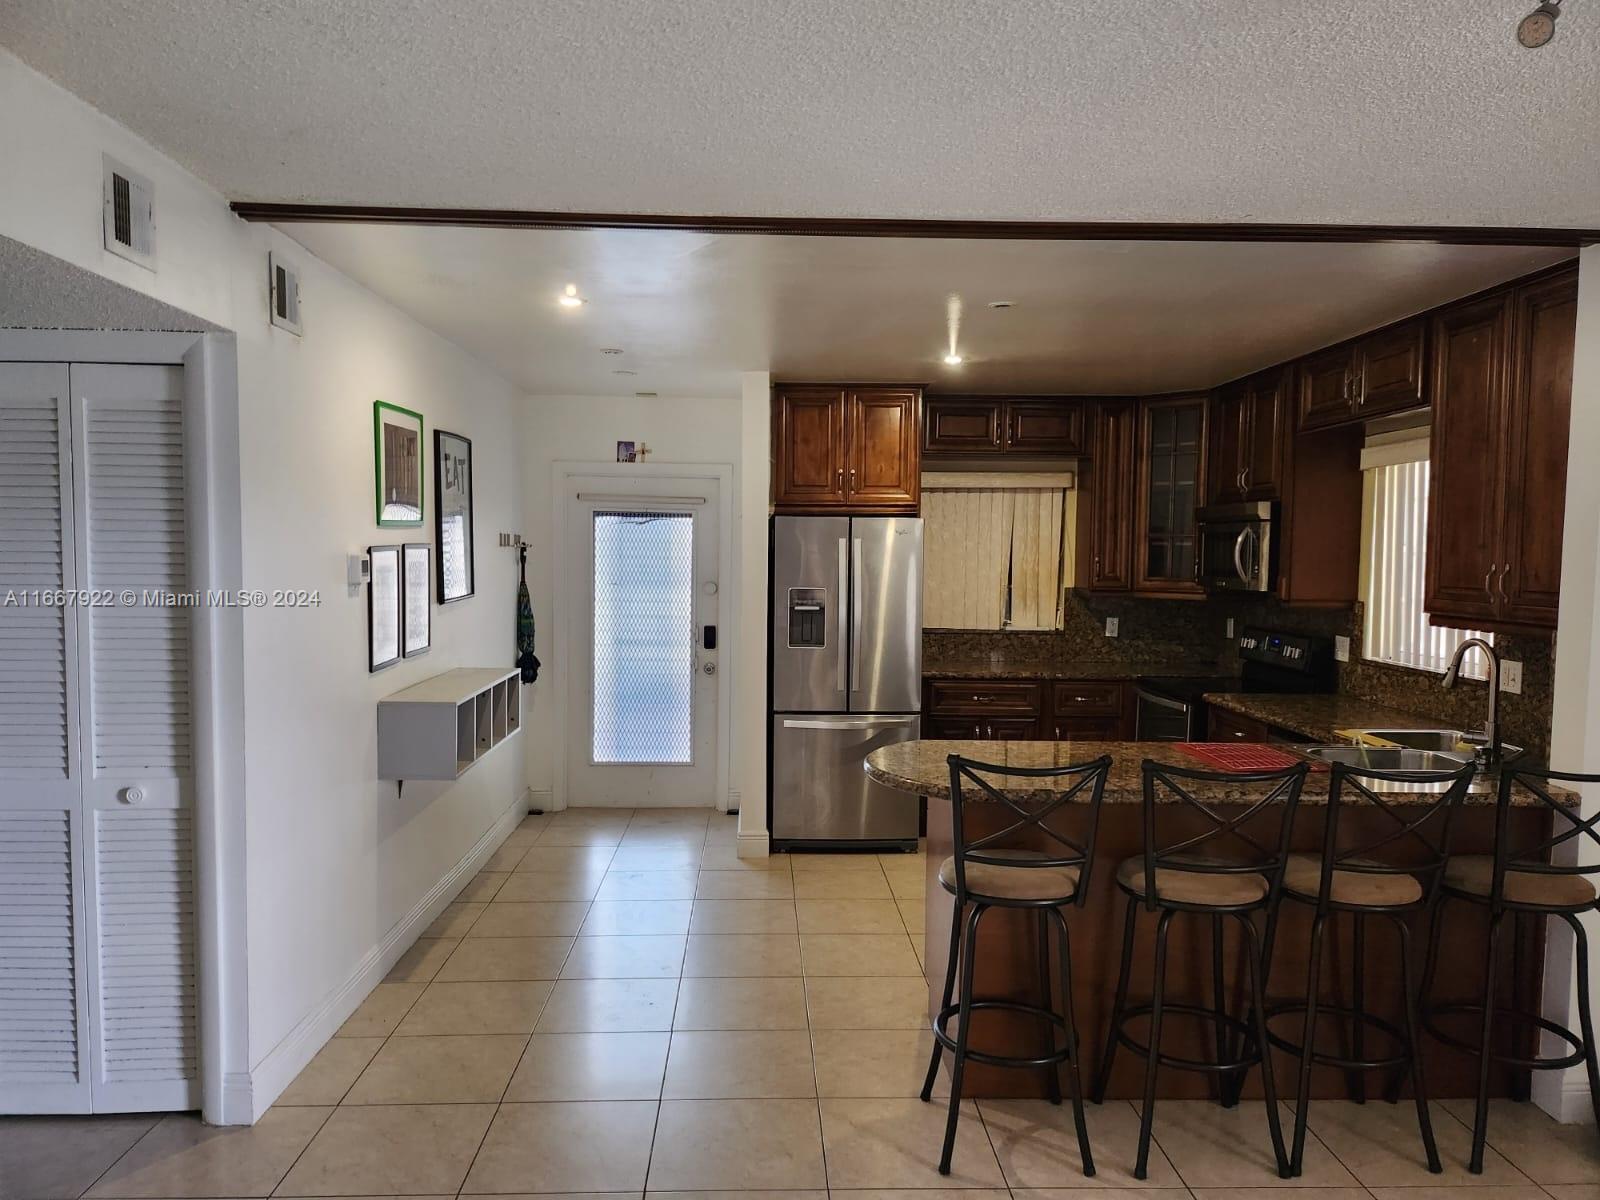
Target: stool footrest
[[1233, 1023], [1536, 1063], [1330, 1060], [948, 1040]]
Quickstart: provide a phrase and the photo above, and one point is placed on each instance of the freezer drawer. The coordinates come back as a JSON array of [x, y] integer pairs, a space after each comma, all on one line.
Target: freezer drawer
[[820, 789]]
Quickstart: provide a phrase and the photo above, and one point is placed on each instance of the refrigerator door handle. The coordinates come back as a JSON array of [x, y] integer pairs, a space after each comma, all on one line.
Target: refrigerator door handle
[[846, 722], [855, 615], [838, 608]]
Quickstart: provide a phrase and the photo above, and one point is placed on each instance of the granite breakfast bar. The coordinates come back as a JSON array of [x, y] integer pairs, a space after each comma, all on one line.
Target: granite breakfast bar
[[1007, 965]]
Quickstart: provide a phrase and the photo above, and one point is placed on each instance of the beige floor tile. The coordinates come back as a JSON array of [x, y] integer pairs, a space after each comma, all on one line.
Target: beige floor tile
[[383, 1009], [1503, 1191], [743, 916], [867, 1003], [741, 1004], [1381, 1146], [546, 918], [859, 954], [1533, 1142], [652, 956], [505, 958], [590, 1066], [743, 1194], [648, 885], [328, 1076], [56, 1158], [962, 1194], [553, 1196], [1212, 1146], [455, 920], [506, 858], [475, 1008], [638, 917], [483, 886], [581, 834], [841, 885], [180, 1157], [592, 1146], [1559, 1191], [914, 915], [751, 1064], [848, 916], [390, 1150], [895, 1144], [1037, 1144], [558, 860], [736, 1145], [521, 839], [834, 864], [745, 885], [861, 1063], [676, 856], [742, 954], [439, 1070], [919, 946], [576, 883], [421, 961], [724, 856], [908, 879], [1286, 1192], [609, 1006]]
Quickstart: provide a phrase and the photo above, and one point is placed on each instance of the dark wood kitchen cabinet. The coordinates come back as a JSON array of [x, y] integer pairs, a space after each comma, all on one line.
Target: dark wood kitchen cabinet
[[988, 425], [1170, 470], [1009, 710], [1225, 726], [854, 448], [1370, 376], [1247, 435], [1500, 378], [1105, 507]]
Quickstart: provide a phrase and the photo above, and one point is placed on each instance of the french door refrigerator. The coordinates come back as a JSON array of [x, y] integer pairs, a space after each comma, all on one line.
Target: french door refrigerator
[[846, 676]]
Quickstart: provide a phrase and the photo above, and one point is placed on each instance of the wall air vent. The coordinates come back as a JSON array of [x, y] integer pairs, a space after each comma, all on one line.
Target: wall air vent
[[283, 294], [129, 214]]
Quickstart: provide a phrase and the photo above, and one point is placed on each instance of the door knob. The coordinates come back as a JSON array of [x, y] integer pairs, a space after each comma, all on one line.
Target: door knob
[[709, 668]]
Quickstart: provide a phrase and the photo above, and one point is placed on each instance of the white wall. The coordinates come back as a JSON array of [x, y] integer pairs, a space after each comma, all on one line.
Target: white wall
[[335, 861]]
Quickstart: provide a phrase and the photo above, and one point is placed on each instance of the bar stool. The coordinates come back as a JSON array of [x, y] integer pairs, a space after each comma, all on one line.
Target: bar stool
[[1513, 881], [1226, 871], [984, 873], [1413, 840]]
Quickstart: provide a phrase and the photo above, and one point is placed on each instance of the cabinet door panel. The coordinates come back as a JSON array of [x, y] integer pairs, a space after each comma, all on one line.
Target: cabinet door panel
[[1225, 726], [1467, 387], [1044, 427], [962, 427], [809, 448], [1323, 383], [1171, 473], [1388, 370], [1538, 415], [1226, 457], [1265, 430], [1106, 537], [884, 449]]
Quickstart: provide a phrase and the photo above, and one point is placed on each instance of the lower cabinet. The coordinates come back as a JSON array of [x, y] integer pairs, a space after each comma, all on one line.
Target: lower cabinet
[[1027, 710], [1225, 726]]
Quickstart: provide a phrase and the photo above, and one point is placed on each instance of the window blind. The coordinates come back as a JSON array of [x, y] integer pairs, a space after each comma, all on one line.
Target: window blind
[[993, 555], [1397, 629]]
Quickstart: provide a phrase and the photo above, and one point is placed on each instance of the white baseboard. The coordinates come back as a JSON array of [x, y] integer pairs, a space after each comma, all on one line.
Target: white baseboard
[[237, 1109], [277, 1070], [542, 799], [754, 845], [1565, 1096]]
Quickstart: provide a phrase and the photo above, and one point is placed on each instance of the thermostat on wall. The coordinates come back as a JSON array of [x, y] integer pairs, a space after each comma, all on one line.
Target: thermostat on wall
[[358, 570]]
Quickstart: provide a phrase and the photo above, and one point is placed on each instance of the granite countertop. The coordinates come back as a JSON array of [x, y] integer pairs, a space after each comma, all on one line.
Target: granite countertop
[[1319, 718], [1036, 666], [921, 767]]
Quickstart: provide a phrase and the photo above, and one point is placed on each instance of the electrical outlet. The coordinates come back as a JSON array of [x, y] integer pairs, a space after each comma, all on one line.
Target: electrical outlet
[[1511, 676], [1341, 649], [1229, 632], [1111, 627]]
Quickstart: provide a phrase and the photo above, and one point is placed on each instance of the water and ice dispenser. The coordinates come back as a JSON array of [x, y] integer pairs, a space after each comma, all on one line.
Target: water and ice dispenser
[[808, 617]]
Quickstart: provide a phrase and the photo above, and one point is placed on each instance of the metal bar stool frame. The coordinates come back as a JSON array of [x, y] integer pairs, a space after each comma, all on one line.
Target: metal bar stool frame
[[970, 908], [1524, 861], [1426, 827], [1281, 798]]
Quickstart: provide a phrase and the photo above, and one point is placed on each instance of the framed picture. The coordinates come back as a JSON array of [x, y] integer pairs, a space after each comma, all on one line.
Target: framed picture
[[452, 515], [416, 598], [627, 452], [383, 608], [397, 463]]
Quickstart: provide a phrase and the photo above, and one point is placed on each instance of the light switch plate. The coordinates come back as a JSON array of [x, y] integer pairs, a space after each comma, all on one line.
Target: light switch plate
[[1111, 626], [1229, 632], [1511, 676], [1341, 649]]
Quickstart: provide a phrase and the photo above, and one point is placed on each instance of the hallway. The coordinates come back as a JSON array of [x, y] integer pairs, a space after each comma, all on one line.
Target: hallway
[[618, 1002]]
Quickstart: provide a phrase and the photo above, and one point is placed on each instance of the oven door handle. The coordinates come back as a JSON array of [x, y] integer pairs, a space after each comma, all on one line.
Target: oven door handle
[[1162, 701]]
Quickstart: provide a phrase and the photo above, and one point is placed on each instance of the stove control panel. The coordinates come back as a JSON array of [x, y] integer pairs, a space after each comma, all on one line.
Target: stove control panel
[[1294, 651]]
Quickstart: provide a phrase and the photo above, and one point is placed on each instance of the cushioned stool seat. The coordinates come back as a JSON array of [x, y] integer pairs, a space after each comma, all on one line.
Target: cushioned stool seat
[[1303, 877], [1473, 874], [1012, 883], [1193, 887]]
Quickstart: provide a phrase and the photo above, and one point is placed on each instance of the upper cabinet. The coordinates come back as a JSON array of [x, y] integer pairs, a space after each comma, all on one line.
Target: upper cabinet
[[1500, 380], [1248, 431], [987, 425], [1171, 471], [846, 447], [1373, 375], [1105, 516]]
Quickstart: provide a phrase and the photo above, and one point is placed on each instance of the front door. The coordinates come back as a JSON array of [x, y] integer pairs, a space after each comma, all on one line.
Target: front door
[[642, 681]]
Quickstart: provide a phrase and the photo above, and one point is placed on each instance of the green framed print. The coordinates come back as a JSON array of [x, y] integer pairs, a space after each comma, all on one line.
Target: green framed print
[[397, 463]]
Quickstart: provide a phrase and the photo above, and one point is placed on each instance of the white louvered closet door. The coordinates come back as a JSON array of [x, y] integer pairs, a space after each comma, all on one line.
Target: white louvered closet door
[[44, 1045], [135, 733]]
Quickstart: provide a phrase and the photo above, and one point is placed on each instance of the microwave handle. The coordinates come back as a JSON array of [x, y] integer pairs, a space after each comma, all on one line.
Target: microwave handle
[[1238, 555]]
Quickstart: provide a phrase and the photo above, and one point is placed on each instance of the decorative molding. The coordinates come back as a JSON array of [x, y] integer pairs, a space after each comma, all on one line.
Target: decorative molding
[[1156, 231], [237, 1107], [754, 845], [1064, 481], [542, 799], [288, 1058]]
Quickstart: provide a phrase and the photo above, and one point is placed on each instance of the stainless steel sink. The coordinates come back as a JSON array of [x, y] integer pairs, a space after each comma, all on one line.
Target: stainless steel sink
[[1389, 758], [1442, 741]]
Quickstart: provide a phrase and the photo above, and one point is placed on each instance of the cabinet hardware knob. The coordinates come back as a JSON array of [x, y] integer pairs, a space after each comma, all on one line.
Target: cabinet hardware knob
[[852, 479], [1488, 578], [840, 474], [1500, 583]]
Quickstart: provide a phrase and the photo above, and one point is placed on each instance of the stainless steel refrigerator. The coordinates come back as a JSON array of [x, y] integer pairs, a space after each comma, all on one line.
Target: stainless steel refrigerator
[[846, 675]]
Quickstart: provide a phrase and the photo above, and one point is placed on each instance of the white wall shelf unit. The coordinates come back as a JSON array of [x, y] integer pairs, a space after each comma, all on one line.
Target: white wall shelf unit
[[438, 728]]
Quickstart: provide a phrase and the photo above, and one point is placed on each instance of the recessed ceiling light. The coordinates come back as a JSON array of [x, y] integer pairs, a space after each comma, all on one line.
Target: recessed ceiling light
[[610, 350], [647, 395], [624, 372], [952, 360], [1002, 303], [570, 297]]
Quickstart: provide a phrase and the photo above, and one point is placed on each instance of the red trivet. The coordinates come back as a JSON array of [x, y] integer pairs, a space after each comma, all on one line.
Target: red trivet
[[1233, 756]]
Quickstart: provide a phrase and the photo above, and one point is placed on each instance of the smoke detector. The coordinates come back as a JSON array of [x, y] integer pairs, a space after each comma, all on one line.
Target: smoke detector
[[283, 294], [128, 207]]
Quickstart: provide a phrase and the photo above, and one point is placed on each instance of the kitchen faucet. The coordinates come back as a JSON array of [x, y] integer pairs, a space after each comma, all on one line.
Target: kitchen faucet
[[1490, 751]]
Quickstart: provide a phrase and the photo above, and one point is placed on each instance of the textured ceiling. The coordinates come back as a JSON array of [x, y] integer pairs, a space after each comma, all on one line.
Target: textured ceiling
[[689, 311], [1357, 111]]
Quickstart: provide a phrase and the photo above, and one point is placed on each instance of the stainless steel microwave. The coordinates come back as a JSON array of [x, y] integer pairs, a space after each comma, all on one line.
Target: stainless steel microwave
[[1236, 548]]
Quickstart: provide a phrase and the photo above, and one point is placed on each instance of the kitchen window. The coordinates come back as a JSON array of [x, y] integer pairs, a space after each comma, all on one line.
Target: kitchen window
[[995, 549], [1395, 525]]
